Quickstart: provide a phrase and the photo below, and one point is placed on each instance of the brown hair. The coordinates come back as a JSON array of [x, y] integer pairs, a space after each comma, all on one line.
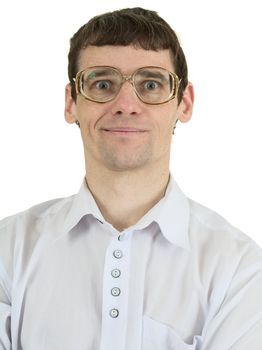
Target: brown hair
[[131, 26]]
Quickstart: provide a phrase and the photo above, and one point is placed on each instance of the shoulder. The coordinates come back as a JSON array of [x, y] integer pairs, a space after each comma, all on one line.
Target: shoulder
[[213, 223], [37, 213], [225, 258], [20, 233], [215, 238]]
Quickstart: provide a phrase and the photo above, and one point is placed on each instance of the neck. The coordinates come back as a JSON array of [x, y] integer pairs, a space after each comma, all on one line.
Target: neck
[[124, 197]]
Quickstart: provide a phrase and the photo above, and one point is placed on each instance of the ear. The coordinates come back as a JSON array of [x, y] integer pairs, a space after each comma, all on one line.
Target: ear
[[70, 106], [185, 107]]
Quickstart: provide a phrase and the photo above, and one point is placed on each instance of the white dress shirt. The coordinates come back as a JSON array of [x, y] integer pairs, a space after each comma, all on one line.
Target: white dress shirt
[[182, 278]]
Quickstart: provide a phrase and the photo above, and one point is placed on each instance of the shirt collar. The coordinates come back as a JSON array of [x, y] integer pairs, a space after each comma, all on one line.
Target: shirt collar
[[171, 213], [173, 218], [83, 204]]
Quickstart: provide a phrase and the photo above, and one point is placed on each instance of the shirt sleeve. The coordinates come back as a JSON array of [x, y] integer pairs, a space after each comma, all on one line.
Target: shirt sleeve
[[5, 289], [5, 316], [237, 323]]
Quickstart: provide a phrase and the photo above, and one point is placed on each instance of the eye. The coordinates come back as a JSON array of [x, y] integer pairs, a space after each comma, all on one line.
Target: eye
[[151, 85], [103, 85]]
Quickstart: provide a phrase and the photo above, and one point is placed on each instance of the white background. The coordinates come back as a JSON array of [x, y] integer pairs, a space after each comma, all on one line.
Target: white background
[[216, 158]]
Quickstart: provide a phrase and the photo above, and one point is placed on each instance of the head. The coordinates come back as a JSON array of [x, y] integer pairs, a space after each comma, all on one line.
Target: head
[[126, 132], [132, 26]]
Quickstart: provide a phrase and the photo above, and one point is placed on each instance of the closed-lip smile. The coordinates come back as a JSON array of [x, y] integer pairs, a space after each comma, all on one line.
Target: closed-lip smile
[[124, 130]]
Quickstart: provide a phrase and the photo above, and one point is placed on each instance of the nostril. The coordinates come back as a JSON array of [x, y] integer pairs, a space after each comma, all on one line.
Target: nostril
[[120, 113]]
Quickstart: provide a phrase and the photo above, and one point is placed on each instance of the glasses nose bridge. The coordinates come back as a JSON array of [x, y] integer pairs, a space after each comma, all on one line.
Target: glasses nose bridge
[[127, 78]]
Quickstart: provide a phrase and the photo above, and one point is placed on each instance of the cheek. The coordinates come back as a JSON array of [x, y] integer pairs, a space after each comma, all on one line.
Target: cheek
[[168, 120], [88, 116]]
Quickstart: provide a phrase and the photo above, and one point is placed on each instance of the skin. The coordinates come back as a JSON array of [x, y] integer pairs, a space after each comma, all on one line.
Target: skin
[[126, 142]]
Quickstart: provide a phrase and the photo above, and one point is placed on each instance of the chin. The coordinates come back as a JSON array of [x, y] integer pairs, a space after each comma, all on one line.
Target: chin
[[135, 163]]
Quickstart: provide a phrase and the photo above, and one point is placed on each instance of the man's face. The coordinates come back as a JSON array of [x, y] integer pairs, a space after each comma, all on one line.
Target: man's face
[[125, 133]]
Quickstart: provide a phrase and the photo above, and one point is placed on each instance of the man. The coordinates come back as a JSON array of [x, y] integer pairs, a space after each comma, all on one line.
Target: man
[[129, 262]]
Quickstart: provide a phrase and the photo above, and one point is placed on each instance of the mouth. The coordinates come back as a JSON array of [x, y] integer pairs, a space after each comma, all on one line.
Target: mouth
[[124, 131]]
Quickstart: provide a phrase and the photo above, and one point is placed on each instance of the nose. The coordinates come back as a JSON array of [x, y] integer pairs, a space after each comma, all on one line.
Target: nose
[[126, 102]]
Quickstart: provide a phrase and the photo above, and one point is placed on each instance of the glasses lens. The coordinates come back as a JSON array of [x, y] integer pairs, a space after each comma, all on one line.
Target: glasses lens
[[154, 85], [100, 84]]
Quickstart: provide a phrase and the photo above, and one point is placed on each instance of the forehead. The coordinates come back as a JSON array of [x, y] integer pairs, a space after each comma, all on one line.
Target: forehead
[[125, 58]]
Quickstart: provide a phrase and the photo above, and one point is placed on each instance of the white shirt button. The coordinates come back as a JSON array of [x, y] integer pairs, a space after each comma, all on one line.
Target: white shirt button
[[115, 273], [118, 254], [115, 291], [114, 313]]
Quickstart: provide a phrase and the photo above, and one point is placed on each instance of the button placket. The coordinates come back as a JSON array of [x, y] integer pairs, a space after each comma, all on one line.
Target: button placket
[[115, 292]]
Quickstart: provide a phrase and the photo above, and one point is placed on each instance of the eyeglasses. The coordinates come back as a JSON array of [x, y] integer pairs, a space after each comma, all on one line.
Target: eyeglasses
[[152, 85]]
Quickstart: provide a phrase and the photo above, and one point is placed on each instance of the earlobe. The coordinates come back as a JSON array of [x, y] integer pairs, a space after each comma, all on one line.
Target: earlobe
[[186, 104], [70, 106]]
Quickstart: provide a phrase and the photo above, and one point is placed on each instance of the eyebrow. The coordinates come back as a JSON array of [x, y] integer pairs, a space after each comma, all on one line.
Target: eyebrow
[[99, 73], [152, 74]]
